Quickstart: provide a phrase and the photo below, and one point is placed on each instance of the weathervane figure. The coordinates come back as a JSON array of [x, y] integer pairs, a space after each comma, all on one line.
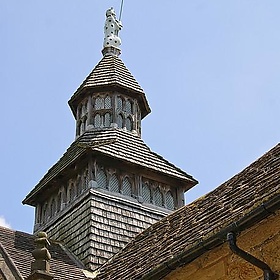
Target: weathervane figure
[[111, 30]]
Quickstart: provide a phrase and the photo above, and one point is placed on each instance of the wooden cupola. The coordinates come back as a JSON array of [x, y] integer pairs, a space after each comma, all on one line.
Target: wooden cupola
[[109, 97], [108, 186]]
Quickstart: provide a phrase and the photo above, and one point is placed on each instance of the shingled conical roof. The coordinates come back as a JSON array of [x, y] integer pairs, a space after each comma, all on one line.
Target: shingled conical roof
[[111, 73]]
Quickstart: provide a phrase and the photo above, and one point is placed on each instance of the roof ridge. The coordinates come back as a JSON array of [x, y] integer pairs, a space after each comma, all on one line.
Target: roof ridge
[[173, 165], [71, 255], [18, 246], [115, 68], [11, 262], [87, 77], [2, 228], [75, 144]]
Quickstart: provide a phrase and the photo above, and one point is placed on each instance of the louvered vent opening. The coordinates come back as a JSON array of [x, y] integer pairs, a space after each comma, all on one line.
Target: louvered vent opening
[[101, 179], [126, 187], [169, 201], [114, 184], [146, 193], [158, 197]]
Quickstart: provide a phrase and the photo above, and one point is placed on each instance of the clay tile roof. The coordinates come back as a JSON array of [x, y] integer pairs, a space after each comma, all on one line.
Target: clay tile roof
[[118, 144], [18, 247], [179, 236]]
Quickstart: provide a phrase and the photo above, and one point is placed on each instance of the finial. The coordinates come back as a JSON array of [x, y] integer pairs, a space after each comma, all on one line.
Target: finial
[[40, 268], [112, 27]]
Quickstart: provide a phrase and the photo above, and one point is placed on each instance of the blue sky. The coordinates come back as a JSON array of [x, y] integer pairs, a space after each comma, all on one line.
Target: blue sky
[[210, 70]]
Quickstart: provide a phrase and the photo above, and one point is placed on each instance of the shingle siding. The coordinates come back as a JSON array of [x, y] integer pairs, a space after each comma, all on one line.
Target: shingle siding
[[108, 224]]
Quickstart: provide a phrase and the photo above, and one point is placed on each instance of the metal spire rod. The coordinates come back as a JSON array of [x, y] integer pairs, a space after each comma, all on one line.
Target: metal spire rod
[[121, 10]]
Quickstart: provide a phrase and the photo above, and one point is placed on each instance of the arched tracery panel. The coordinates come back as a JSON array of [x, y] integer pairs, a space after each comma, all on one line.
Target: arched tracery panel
[[107, 102], [120, 121], [107, 120], [128, 123]]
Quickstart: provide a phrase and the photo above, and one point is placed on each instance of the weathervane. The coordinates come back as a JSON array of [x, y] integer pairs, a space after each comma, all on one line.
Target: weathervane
[[121, 10]]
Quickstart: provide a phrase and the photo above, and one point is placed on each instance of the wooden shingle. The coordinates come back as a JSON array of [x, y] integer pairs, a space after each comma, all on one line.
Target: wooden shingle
[[118, 144], [111, 73]]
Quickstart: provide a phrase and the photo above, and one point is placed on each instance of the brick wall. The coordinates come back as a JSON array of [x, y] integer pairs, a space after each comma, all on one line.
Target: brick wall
[[261, 241]]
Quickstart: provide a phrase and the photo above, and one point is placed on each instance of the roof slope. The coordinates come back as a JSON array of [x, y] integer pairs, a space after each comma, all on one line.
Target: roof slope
[[19, 245], [118, 144], [111, 70], [188, 227], [127, 146]]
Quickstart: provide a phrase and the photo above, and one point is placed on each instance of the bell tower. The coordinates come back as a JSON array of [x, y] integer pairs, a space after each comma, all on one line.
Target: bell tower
[[108, 186]]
